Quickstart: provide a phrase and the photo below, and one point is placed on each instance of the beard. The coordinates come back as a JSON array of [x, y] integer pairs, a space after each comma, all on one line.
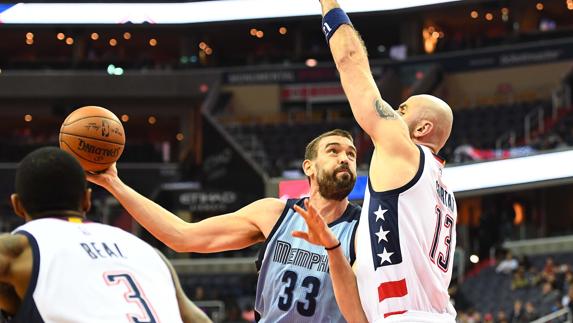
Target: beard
[[334, 187]]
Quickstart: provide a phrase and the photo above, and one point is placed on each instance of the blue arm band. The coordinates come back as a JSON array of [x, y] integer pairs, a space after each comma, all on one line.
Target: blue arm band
[[332, 20]]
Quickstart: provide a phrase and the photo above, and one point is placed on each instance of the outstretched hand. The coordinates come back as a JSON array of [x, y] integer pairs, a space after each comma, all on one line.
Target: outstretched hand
[[105, 178], [318, 232]]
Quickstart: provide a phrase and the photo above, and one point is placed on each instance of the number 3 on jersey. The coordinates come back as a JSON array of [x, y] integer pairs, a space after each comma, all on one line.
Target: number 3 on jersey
[[134, 294], [285, 300], [443, 260]]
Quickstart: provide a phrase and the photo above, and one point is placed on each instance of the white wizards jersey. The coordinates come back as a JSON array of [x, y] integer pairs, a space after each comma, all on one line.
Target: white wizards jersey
[[405, 245], [90, 272]]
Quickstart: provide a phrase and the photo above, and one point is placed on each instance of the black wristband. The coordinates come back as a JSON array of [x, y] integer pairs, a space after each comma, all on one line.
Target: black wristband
[[332, 20], [332, 248]]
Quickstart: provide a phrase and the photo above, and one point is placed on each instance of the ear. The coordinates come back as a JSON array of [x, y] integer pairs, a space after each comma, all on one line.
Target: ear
[[307, 167], [17, 206], [87, 200], [423, 128]]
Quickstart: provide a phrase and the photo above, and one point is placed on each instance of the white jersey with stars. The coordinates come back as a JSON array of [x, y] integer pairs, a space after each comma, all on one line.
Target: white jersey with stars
[[405, 245]]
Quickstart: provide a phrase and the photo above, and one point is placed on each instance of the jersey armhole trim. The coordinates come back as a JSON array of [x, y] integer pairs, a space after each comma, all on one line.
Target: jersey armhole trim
[[28, 312], [259, 261], [352, 244], [348, 215], [406, 186]]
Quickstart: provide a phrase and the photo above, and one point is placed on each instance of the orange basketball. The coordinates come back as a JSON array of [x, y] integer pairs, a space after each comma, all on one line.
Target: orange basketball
[[93, 135]]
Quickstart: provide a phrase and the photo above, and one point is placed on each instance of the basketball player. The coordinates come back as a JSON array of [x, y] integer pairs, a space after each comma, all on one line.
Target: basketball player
[[60, 268], [406, 237], [293, 283]]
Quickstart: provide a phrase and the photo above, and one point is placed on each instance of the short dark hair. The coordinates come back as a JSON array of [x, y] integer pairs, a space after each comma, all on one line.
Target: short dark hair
[[50, 179], [312, 148]]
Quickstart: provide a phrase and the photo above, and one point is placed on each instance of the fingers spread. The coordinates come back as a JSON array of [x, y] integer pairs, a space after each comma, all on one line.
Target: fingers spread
[[301, 211], [300, 234]]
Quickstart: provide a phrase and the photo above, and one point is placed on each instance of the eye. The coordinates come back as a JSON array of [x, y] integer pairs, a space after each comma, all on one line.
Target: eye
[[332, 150]]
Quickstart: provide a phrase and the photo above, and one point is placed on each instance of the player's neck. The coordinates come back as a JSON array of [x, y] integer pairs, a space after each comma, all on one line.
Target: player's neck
[[59, 214], [330, 210], [433, 147]]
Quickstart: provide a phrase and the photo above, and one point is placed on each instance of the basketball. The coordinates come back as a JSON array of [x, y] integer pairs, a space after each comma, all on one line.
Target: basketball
[[93, 135]]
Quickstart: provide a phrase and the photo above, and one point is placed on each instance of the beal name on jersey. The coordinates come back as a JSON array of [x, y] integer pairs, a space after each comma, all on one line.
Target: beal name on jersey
[[102, 250]]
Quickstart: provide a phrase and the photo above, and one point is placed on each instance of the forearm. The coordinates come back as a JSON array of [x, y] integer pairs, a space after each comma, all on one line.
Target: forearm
[[164, 225], [345, 288], [346, 45], [372, 113], [351, 59], [230, 231], [190, 313]]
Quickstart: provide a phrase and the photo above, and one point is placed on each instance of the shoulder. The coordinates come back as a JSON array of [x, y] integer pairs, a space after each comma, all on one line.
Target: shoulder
[[355, 210], [264, 213], [12, 245], [270, 205]]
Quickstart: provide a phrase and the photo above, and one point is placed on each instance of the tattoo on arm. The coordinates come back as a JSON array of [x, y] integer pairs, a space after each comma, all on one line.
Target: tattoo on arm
[[384, 110]]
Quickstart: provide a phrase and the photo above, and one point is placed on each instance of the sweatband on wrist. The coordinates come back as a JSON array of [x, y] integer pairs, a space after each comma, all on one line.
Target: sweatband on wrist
[[332, 20], [334, 247]]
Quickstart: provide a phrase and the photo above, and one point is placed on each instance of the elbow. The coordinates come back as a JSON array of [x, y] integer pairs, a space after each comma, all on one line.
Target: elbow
[[177, 242], [178, 247]]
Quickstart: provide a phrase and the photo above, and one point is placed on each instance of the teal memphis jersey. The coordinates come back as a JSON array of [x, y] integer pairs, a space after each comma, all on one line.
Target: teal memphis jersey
[[294, 283]]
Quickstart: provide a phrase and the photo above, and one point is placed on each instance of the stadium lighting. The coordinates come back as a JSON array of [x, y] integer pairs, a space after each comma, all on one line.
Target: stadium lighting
[[114, 70], [509, 172], [183, 13], [473, 178]]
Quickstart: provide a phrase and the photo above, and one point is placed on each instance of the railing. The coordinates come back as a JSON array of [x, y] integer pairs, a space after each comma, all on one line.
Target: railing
[[540, 246], [214, 309], [560, 99], [235, 265], [535, 117], [508, 137], [562, 313]]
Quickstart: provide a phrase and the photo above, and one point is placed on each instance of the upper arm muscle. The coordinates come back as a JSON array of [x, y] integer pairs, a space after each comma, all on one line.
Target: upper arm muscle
[[237, 230]]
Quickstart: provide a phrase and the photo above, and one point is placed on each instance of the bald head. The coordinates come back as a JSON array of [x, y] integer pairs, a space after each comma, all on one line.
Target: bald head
[[429, 120]]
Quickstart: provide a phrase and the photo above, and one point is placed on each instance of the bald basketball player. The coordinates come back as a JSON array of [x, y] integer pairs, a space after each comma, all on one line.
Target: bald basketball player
[[406, 235], [58, 267]]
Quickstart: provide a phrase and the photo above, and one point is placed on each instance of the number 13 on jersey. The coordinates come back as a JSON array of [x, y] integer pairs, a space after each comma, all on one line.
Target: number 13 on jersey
[[442, 250]]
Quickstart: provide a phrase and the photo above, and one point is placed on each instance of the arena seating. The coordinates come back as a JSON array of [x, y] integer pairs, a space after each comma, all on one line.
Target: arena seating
[[280, 146], [490, 292]]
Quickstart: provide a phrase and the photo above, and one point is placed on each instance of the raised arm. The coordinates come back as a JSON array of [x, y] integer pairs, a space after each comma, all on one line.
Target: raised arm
[[373, 114], [231, 231], [393, 147]]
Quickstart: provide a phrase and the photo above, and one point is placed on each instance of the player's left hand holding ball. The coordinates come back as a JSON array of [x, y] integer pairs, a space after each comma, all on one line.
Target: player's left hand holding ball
[[105, 178]]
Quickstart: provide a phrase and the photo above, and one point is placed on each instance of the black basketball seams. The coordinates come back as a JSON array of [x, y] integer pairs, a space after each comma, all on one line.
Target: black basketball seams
[[92, 138], [102, 117]]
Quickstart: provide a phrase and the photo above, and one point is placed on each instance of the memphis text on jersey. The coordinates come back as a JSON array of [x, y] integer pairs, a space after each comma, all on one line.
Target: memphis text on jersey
[[285, 254]]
